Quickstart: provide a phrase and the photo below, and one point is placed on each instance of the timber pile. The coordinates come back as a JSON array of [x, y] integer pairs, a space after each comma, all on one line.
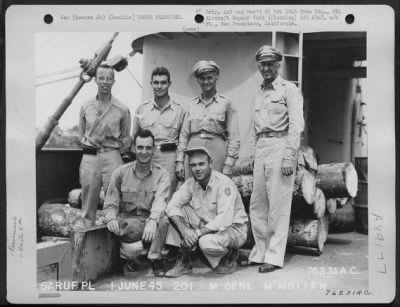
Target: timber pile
[[319, 190]]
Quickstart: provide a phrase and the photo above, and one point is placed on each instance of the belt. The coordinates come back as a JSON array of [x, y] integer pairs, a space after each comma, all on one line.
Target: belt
[[167, 147], [94, 151], [207, 135], [272, 134]]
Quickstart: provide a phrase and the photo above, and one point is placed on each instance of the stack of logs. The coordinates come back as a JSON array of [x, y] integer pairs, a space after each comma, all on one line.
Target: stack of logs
[[319, 190]]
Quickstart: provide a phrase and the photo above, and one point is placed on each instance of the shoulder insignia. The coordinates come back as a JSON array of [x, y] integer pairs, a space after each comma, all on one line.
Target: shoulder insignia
[[228, 191]]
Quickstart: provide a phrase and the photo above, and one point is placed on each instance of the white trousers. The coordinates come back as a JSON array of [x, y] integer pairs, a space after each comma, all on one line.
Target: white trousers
[[270, 202]]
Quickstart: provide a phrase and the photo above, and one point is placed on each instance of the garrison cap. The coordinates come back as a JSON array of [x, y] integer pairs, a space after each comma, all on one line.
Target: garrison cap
[[192, 150], [268, 53], [205, 66]]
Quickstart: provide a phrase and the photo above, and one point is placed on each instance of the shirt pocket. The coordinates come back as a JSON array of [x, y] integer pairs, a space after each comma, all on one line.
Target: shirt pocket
[[129, 198], [112, 128], [277, 110], [170, 123]]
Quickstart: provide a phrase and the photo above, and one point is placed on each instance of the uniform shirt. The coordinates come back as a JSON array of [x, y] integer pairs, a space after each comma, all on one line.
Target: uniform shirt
[[279, 107], [219, 206], [218, 117], [165, 124], [129, 194], [112, 129]]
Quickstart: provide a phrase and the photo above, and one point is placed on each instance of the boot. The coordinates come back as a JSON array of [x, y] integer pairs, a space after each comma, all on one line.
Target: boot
[[129, 267], [182, 266], [228, 263], [158, 268]]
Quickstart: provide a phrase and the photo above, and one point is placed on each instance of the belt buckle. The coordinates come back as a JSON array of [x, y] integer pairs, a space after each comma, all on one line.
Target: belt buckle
[[202, 136], [158, 147]]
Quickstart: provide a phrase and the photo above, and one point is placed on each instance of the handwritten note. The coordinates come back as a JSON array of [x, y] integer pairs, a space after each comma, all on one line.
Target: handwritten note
[[15, 239]]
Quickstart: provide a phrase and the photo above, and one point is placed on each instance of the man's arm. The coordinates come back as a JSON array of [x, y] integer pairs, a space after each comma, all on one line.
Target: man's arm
[[111, 202], [294, 101], [81, 123], [233, 137], [125, 132]]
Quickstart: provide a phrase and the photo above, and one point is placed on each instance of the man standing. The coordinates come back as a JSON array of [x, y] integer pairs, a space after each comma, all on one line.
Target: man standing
[[104, 126], [275, 138], [164, 118], [207, 211], [135, 203], [211, 121]]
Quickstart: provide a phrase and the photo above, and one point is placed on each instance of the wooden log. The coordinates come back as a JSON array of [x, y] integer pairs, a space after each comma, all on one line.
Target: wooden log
[[300, 207], [95, 252], [340, 202], [308, 233], [343, 220], [319, 204], [331, 205], [304, 186], [337, 180], [244, 184], [60, 219], [307, 158]]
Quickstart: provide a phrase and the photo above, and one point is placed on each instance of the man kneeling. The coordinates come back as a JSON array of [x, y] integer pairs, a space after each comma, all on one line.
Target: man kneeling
[[208, 212], [135, 203]]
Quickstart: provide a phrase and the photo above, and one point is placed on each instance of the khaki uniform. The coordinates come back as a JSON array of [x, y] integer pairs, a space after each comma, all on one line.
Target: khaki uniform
[[278, 114], [214, 125], [219, 208], [165, 124], [108, 134], [145, 198]]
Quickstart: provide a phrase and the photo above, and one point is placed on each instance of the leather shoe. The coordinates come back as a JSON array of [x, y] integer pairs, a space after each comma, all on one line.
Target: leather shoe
[[266, 268]]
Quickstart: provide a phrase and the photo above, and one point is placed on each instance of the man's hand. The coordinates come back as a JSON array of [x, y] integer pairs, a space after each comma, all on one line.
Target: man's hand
[[227, 170], [190, 237], [180, 171], [149, 231], [113, 226], [288, 167]]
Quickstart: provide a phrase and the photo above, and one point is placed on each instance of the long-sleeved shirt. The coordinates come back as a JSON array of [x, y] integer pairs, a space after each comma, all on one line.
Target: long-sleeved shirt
[[129, 194], [218, 206], [279, 107], [217, 117], [165, 124], [108, 129]]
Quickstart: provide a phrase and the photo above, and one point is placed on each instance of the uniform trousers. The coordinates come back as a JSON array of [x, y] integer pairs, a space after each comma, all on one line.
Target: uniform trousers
[[270, 202], [131, 251], [214, 246], [95, 172], [216, 146], [167, 160]]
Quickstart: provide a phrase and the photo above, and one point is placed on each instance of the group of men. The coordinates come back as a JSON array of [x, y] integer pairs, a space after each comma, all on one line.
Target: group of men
[[197, 145]]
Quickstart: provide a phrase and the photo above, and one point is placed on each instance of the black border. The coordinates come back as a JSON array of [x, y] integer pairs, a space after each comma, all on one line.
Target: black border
[[395, 4]]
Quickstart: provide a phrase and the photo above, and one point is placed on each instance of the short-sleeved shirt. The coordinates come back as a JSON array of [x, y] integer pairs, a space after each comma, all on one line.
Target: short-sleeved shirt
[[279, 107], [219, 205], [108, 129], [129, 194], [165, 124], [217, 117]]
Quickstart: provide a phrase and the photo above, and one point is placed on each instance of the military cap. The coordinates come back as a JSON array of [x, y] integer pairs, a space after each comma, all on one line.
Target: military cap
[[205, 66], [268, 53], [198, 149]]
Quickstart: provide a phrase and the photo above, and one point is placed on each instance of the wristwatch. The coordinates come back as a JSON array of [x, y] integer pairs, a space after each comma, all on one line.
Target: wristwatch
[[198, 232]]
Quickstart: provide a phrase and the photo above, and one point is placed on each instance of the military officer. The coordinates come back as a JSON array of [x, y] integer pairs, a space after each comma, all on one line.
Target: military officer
[[164, 118], [135, 203], [208, 212], [275, 138], [211, 121], [104, 126]]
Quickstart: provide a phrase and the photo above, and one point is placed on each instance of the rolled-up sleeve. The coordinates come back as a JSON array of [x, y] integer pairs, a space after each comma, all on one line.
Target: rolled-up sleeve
[[160, 199], [294, 101], [233, 135], [113, 197], [180, 198], [226, 207]]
